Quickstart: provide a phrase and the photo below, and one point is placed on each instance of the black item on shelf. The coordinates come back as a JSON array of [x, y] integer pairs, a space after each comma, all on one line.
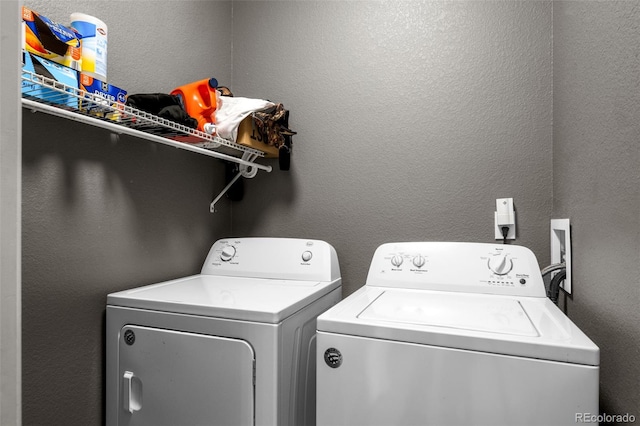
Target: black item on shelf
[[236, 192], [284, 154], [164, 106]]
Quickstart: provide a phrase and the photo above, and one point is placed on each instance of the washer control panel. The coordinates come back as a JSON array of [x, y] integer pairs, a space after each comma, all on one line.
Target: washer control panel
[[462, 267], [274, 258]]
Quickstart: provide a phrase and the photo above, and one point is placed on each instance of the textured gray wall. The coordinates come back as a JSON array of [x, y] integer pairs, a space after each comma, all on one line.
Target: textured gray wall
[[412, 118], [596, 169], [101, 215]]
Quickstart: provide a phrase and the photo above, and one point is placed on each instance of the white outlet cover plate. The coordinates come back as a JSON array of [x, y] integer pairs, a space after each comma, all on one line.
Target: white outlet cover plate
[[561, 243], [511, 235]]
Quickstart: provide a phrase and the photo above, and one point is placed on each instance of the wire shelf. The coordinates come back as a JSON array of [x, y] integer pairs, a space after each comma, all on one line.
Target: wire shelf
[[40, 93]]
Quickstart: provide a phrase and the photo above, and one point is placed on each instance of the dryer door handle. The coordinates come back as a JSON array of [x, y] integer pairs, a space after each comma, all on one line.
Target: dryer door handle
[[132, 392]]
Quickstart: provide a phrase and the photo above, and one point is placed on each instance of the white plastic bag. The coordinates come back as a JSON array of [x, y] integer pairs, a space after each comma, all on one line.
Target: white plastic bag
[[232, 110]]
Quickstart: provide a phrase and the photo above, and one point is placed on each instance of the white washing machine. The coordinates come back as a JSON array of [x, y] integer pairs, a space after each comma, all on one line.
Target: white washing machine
[[453, 334], [233, 345]]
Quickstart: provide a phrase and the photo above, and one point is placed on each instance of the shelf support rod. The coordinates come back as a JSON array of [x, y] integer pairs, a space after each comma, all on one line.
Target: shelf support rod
[[245, 170], [212, 207]]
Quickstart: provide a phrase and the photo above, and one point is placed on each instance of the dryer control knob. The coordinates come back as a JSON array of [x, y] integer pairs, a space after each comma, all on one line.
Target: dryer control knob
[[396, 260], [228, 252], [306, 256], [419, 261], [500, 264]]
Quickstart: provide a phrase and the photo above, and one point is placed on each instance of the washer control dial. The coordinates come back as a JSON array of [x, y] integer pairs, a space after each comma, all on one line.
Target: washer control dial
[[418, 261], [227, 253], [500, 264], [306, 256], [396, 260]]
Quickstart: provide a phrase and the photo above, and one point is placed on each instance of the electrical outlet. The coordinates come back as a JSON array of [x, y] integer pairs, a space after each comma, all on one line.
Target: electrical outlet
[[561, 249], [505, 215], [511, 235]]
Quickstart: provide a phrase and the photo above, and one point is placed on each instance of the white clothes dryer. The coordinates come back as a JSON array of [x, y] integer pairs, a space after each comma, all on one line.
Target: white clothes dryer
[[453, 334], [233, 345]]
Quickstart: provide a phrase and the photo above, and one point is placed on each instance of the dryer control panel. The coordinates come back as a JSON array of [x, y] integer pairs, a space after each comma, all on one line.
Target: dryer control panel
[[459, 267], [273, 258]]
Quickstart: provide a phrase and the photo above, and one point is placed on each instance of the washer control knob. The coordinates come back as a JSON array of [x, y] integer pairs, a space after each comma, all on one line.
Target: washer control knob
[[228, 252], [500, 264], [419, 261], [396, 260], [306, 256]]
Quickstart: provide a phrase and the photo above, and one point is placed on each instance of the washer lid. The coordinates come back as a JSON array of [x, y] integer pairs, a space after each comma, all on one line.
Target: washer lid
[[460, 311], [249, 299], [529, 327]]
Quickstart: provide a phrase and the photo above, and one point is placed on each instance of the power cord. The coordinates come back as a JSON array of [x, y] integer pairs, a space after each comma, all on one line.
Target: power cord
[[505, 232]]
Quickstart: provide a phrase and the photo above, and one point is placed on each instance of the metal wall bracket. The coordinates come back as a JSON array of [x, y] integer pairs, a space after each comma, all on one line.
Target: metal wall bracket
[[247, 170]]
